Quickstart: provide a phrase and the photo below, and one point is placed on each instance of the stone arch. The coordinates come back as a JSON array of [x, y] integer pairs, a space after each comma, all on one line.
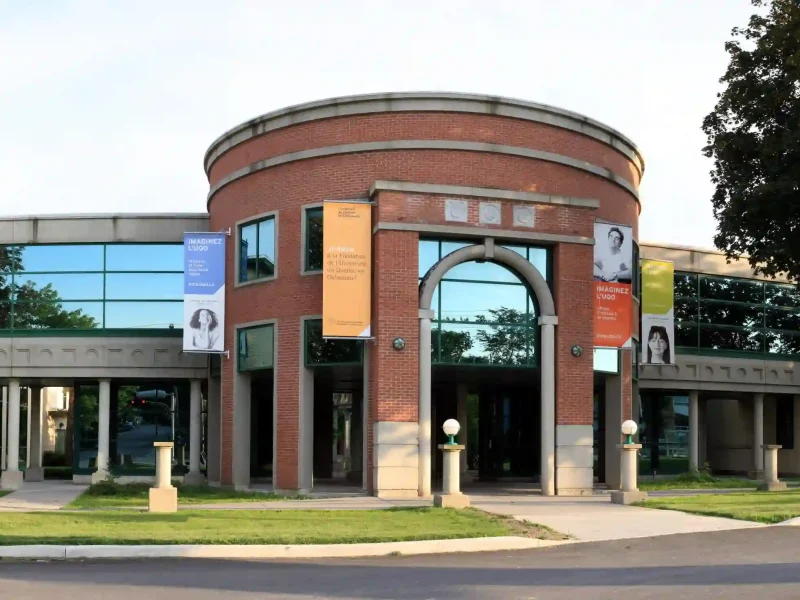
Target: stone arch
[[547, 322]]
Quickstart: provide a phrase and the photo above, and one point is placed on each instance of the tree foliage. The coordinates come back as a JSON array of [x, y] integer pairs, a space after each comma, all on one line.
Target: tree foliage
[[754, 139]]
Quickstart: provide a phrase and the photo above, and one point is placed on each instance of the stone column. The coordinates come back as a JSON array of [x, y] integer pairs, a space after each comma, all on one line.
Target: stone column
[[35, 472], [366, 429], [462, 391], [242, 432], [694, 431], [4, 429], [758, 435], [630, 462], [547, 326], [305, 443], [214, 419], [770, 482], [164, 496], [194, 476], [451, 496], [103, 423], [425, 317], [11, 478]]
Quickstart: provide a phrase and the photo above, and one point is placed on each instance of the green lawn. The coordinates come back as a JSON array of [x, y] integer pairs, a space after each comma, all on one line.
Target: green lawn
[[693, 483], [257, 527], [4, 493], [135, 495], [762, 507]]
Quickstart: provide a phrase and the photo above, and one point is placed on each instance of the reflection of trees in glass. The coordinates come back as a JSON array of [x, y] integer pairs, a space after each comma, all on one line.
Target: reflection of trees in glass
[[717, 338], [506, 344], [314, 239], [733, 290], [34, 308], [783, 295], [731, 314], [321, 351], [685, 285], [454, 345], [88, 405]]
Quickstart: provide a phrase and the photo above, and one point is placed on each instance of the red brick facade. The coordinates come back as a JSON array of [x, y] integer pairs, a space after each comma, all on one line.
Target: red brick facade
[[287, 187]]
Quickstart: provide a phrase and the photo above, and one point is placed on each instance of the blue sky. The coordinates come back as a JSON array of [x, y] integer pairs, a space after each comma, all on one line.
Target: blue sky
[[109, 106]]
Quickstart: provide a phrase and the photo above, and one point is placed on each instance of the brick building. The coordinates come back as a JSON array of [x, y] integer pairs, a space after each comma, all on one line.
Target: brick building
[[483, 215]]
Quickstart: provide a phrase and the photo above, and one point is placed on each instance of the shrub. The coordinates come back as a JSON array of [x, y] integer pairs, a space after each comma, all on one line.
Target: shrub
[[54, 459]]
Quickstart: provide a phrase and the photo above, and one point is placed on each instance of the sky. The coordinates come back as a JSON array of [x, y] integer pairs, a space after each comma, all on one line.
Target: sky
[[110, 106]]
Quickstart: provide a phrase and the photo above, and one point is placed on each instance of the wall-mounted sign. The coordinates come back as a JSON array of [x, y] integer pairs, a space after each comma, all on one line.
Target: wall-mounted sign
[[204, 292], [346, 270], [658, 316], [613, 277]]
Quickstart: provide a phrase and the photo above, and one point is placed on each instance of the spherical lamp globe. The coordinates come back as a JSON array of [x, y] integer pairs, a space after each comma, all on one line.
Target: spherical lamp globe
[[451, 428]]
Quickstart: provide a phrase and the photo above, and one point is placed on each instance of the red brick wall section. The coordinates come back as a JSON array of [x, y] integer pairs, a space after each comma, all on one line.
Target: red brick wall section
[[574, 306], [424, 126]]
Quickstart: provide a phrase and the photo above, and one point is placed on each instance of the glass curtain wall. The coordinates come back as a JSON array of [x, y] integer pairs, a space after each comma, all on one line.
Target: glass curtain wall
[[736, 316], [663, 433], [86, 287], [483, 313]]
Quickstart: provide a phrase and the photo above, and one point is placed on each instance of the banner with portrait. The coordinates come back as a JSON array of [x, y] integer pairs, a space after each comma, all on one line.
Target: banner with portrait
[[346, 269], [658, 312], [613, 279], [204, 292]]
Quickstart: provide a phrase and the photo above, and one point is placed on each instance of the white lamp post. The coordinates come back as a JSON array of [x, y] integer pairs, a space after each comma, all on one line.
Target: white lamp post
[[630, 492], [451, 496]]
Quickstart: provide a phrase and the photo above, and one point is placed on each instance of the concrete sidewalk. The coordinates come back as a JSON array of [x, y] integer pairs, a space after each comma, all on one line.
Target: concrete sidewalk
[[41, 495], [595, 518]]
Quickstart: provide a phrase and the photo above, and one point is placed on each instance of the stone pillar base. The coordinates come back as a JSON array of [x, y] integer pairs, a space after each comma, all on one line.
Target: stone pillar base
[[451, 500], [194, 479], [772, 486], [163, 500], [99, 476], [34, 474], [11, 480], [619, 497]]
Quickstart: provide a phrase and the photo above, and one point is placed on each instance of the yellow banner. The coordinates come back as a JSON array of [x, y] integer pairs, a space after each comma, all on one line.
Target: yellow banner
[[346, 272]]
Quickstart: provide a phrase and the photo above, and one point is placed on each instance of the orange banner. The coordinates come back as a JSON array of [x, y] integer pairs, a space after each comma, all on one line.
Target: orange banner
[[612, 315], [346, 272]]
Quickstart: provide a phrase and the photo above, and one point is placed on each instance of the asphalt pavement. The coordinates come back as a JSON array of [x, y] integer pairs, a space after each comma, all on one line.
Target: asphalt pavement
[[757, 563]]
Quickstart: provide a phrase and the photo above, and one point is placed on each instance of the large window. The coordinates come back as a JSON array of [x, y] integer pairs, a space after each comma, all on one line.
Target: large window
[[742, 316], [257, 250], [79, 287], [322, 352], [256, 348], [313, 239], [483, 313]]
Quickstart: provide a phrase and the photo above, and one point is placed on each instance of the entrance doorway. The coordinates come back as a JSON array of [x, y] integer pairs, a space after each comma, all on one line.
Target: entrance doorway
[[261, 421], [499, 412]]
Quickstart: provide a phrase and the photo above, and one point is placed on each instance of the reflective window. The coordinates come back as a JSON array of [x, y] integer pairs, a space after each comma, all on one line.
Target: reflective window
[[320, 351], [144, 286], [144, 315], [144, 257], [606, 360], [80, 287], [483, 313], [257, 250], [256, 348], [725, 314], [313, 247], [60, 258]]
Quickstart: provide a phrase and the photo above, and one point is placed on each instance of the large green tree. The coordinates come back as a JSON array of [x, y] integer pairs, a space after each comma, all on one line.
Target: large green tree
[[754, 140]]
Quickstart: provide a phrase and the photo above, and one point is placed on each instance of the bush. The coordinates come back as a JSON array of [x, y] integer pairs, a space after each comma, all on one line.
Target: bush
[[110, 487], [701, 475]]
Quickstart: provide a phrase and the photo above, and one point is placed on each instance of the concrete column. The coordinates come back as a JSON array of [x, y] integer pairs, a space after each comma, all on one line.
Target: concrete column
[[242, 431], [694, 430], [12, 476], [305, 442], [547, 479], [451, 496], [630, 491], [770, 482], [35, 472], [4, 428], [425, 317], [462, 391], [163, 497], [366, 429], [613, 416], [214, 418], [194, 476], [103, 422], [758, 434]]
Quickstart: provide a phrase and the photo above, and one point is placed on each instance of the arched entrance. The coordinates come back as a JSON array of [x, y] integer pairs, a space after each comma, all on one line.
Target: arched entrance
[[547, 322]]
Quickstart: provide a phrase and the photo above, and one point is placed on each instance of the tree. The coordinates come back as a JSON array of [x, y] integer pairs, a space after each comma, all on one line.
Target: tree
[[506, 338], [754, 139]]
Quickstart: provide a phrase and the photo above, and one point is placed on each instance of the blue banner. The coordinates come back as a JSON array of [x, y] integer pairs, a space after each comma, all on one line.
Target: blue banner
[[204, 292]]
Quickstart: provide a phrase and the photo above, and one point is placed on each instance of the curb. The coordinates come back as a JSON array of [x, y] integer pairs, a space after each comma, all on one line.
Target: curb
[[490, 544]]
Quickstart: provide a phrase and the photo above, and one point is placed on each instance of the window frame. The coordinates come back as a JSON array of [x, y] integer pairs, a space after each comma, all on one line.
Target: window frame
[[304, 238], [255, 220], [240, 329]]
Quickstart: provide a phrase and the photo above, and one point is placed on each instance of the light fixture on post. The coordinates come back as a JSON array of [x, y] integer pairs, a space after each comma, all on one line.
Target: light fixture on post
[[629, 428], [451, 428]]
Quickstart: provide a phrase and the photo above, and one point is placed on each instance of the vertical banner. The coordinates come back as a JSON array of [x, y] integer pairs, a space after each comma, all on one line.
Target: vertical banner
[[613, 277], [658, 312], [204, 292], [346, 271]]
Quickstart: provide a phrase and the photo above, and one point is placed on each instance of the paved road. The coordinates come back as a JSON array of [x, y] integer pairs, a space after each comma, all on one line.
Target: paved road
[[760, 563]]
